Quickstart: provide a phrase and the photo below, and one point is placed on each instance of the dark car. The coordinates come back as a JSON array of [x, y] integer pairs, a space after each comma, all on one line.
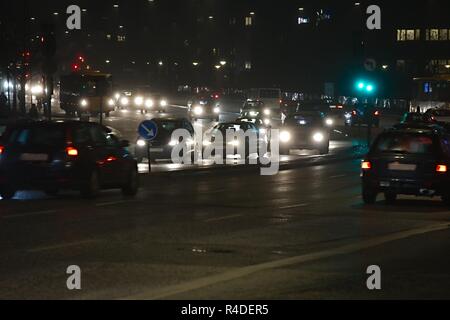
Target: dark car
[[206, 108], [51, 156], [305, 130], [410, 161], [363, 114], [161, 147], [441, 115], [416, 117]]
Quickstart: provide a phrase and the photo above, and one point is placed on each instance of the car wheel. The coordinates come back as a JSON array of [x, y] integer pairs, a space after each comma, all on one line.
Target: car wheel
[[7, 194], [390, 198], [52, 192], [325, 150], [369, 196], [446, 199], [132, 185], [91, 187]]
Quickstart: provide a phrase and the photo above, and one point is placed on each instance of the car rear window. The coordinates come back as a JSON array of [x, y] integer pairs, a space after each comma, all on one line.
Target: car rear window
[[404, 143], [38, 136]]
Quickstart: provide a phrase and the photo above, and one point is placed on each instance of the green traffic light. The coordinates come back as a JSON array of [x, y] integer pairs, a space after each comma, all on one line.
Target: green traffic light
[[369, 88], [361, 85]]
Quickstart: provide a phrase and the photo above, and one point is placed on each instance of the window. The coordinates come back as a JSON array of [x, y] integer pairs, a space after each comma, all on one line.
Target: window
[[248, 65], [434, 34], [302, 20], [248, 21], [108, 36], [443, 34], [404, 143], [408, 34], [121, 38]]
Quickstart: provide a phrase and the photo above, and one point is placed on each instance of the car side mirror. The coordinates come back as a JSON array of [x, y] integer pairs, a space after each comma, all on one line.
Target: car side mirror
[[124, 143]]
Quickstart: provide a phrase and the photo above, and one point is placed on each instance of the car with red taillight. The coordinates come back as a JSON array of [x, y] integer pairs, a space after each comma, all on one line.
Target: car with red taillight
[[363, 114], [52, 156], [408, 161]]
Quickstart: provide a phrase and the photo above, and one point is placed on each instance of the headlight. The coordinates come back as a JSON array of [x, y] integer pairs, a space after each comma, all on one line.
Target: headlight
[[253, 113], [84, 103], [267, 112], [216, 110], [141, 143], [285, 136], [198, 110], [124, 101], [149, 103], [329, 122], [173, 143], [163, 103], [318, 137], [266, 122], [111, 102], [139, 101]]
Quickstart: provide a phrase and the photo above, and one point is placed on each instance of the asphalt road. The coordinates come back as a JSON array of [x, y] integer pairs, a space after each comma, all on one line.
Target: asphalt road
[[303, 233]]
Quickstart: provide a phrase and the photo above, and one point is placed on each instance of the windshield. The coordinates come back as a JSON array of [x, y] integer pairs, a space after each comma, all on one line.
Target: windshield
[[404, 143]]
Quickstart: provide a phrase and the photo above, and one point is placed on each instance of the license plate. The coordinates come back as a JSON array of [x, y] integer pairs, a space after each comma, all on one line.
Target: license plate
[[402, 167], [34, 157], [156, 149]]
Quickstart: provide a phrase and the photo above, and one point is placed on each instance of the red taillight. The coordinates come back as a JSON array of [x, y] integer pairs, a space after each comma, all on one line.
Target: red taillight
[[441, 168], [340, 107], [354, 112], [377, 113], [72, 152], [2, 149], [366, 165]]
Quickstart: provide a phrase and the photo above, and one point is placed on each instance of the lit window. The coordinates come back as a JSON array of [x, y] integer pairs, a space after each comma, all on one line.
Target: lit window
[[108, 36], [302, 20], [443, 34], [248, 65], [417, 34], [434, 34], [410, 35], [248, 21]]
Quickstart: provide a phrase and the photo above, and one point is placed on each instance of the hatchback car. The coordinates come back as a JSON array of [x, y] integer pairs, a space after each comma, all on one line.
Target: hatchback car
[[410, 161], [162, 146], [204, 109], [305, 130], [51, 156], [363, 114]]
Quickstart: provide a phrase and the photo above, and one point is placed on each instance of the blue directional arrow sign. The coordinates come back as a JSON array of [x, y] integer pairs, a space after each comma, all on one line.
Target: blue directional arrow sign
[[148, 130]]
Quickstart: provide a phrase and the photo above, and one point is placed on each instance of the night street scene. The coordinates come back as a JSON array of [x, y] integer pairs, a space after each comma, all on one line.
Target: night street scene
[[220, 150]]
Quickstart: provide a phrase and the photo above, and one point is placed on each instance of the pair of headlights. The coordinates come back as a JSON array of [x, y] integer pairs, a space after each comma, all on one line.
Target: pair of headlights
[[198, 110], [285, 136]]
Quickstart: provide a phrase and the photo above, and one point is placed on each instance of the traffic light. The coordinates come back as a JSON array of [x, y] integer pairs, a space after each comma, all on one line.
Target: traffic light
[[365, 87]]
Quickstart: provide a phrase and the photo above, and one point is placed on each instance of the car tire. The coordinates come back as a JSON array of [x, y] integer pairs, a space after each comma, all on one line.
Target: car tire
[[325, 150], [131, 187], [369, 196], [7, 194], [390, 198], [91, 187], [52, 192]]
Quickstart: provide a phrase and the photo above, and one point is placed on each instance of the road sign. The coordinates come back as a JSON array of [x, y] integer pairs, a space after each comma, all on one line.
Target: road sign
[[148, 130]]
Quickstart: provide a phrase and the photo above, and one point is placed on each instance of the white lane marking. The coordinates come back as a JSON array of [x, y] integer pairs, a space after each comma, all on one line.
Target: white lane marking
[[294, 206], [338, 176], [172, 290], [224, 218], [62, 246], [29, 214], [113, 203]]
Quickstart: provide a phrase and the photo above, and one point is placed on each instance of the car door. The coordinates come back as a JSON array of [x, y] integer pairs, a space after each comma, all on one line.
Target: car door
[[105, 155]]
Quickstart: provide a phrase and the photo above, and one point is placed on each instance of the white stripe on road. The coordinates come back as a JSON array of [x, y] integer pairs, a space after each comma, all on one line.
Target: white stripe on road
[[113, 203], [29, 214], [173, 290], [294, 206], [224, 218], [63, 245]]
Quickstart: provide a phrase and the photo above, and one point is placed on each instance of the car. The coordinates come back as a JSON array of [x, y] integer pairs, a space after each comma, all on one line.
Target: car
[[305, 130], [416, 117], [52, 156], [409, 161], [157, 102], [363, 114], [440, 115], [204, 108], [161, 147], [231, 148], [255, 109]]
